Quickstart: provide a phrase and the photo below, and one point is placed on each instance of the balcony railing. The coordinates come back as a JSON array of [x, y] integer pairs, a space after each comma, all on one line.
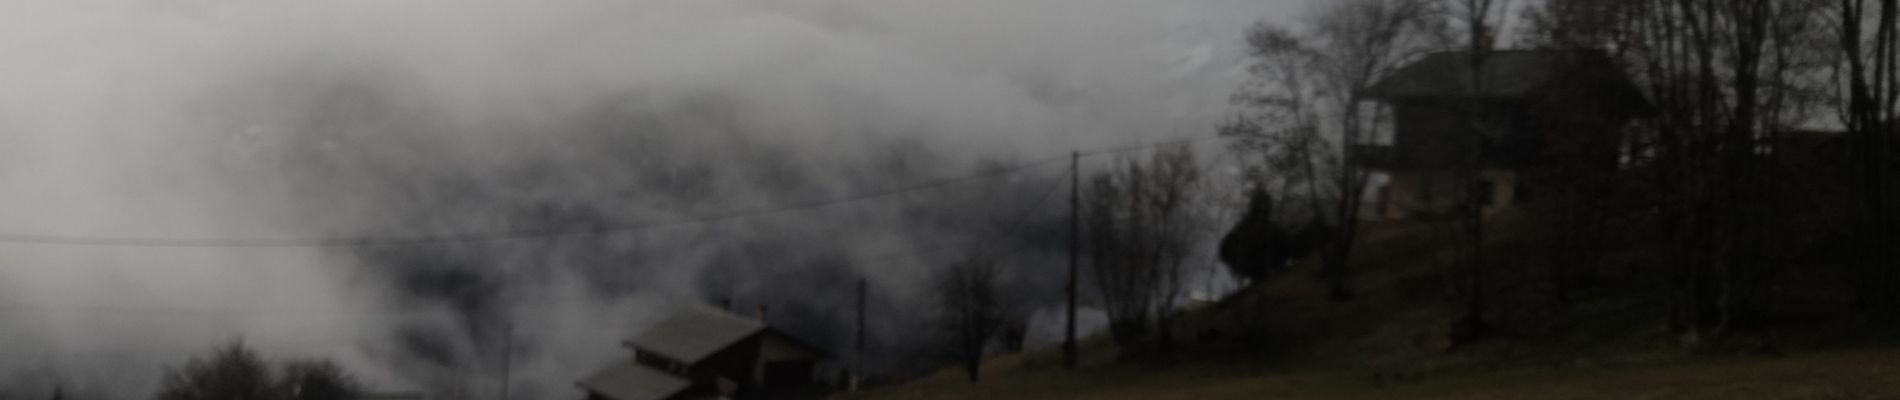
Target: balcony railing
[[1375, 156]]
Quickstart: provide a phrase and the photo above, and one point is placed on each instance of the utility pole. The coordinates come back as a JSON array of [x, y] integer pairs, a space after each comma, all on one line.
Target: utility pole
[[858, 368], [507, 353], [1075, 241]]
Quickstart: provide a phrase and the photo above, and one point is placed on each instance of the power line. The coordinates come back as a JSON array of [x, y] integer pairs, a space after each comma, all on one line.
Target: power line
[[551, 233], [503, 235], [1019, 218], [1016, 219], [987, 244]]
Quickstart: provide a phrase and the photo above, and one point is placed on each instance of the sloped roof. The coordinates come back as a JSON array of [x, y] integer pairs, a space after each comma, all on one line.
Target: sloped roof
[[1507, 73], [693, 334], [632, 381], [815, 350]]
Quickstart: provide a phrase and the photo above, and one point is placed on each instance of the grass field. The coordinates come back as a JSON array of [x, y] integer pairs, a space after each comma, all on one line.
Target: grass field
[[1286, 339], [1857, 374]]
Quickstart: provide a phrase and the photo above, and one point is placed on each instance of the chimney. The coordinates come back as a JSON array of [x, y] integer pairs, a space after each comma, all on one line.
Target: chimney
[[761, 313]]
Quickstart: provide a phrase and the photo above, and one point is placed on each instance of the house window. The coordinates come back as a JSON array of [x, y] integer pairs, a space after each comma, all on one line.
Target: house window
[[1385, 199], [1483, 192]]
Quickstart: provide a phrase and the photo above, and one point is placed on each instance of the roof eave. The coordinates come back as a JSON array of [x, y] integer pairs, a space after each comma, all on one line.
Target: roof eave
[[1411, 97], [669, 357], [820, 351]]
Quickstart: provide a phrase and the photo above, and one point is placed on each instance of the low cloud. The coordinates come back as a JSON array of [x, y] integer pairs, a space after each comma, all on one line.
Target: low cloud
[[326, 121]]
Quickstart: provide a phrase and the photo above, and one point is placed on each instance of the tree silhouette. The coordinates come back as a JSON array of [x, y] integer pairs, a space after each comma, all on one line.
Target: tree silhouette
[[1256, 247], [235, 372], [971, 309], [316, 380]]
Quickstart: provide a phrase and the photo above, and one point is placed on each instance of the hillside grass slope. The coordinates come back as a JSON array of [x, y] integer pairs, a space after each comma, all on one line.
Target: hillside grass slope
[[1285, 338], [1857, 374]]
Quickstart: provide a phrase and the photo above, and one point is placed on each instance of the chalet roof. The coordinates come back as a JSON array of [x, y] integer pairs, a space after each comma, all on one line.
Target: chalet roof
[[392, 396], [1507, 73], [815, 350], [632, 381], [693, 334]]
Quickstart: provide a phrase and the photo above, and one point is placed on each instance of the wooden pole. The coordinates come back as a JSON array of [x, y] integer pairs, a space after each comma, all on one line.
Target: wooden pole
[[857, 372], [1075, 221], [507, 354]]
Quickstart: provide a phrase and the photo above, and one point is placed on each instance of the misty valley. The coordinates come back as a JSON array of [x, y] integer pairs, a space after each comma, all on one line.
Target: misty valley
[[986, 199]]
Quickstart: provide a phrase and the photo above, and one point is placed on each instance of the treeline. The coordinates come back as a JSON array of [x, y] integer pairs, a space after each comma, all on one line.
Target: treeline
[[1763, 154], [228, 372], [234, 371], [1742, 187], [1768, 153]]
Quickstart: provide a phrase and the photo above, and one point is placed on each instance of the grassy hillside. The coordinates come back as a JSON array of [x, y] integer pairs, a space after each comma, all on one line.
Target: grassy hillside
[[1864, 374], [1284, 338]]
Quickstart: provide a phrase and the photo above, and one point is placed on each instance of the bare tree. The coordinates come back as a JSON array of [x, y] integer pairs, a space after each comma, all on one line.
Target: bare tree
[[1868, 64], [1140, 224], [317, 380], [971, 309], [1305, 110], [1727, 78], [234, 371], [1480, 20]]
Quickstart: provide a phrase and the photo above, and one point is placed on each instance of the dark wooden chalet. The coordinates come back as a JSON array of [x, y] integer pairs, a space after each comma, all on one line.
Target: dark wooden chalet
[[709, 354], [1529, 112]]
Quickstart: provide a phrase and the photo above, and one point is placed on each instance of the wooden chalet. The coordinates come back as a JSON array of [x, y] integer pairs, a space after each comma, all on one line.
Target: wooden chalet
[[703, 353], [1526, 113]]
